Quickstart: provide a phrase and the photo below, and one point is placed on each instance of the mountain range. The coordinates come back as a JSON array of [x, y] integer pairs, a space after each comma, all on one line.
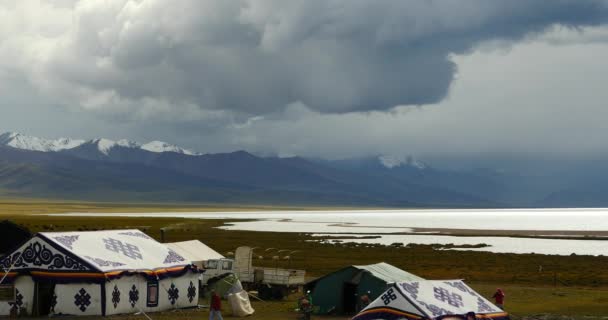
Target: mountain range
[[106, 170]]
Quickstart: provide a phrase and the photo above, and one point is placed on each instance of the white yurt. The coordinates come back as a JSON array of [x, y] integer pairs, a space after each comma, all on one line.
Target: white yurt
[[95, 273]]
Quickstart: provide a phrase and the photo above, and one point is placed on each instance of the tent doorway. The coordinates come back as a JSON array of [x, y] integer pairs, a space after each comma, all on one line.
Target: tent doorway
[[43, 297], [349, 298]]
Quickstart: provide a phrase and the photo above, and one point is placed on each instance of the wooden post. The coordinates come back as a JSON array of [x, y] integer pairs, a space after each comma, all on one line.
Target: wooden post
[[555, 279]]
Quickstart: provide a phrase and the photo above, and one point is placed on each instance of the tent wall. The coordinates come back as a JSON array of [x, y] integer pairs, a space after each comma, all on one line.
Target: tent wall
[[130, 294], [127, 294], [341, 290], [24, 292], [372, 284], [78, 299], [328, 291]]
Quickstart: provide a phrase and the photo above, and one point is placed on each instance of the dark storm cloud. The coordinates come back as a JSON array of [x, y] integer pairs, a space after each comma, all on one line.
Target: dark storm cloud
[[192, 59]]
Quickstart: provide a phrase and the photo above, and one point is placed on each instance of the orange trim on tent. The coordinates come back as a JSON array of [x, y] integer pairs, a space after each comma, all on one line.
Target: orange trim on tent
[[95, 275], [491, 315], [393, 311], [66, 275]]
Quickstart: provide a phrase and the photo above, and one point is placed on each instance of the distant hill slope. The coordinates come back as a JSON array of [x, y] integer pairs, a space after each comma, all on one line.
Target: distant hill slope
[[124, 172], [102, 169]]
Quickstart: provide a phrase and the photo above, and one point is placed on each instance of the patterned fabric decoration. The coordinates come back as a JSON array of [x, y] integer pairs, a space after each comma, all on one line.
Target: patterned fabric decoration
[[411, 288], [126, 249], [66, 240], [18, 298], [38, 255], [435, 310], [191, 292], [483, 306], [82, 300], [460, 286], [53, 302], [136, 234], [452, 298], [133, 296], [388, 297], [104, 263], [115, 296], [173, 257], [173, 294]]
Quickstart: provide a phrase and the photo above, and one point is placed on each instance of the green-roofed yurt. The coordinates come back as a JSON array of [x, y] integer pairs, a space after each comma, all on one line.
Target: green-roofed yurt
[[339, 292]]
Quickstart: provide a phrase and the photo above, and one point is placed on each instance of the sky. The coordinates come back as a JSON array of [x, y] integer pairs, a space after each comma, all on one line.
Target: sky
[[319, 78]]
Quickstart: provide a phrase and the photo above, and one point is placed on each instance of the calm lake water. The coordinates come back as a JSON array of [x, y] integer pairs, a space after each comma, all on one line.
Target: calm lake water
[[385, 223]]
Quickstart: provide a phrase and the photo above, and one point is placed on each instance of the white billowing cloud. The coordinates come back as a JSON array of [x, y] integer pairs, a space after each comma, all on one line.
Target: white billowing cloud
[[139, 58], [311, 77]]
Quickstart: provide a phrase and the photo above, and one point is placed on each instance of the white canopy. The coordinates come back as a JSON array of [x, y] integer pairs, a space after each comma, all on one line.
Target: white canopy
[[112, 250], [194, 250], [430, 300]]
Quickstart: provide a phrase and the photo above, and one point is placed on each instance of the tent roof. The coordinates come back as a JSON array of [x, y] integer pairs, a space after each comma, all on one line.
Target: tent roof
[[383, 271], [112, 250], [194, 250], [428, 299], [389, 273]]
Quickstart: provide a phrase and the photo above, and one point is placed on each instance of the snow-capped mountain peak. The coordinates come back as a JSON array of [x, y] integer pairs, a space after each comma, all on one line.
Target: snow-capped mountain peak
[[396, 161], [159, 147], [25, 142]]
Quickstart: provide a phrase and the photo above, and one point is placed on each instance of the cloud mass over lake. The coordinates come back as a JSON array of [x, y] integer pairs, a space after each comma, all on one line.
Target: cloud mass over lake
[[315, 78]]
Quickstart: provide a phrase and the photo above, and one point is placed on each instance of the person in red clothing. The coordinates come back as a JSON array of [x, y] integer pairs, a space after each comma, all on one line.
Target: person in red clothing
[[499, 297], [215, 309]]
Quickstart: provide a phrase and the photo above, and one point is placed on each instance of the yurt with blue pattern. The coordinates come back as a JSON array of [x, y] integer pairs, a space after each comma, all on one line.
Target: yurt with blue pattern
[[95, 273], [431, 300]]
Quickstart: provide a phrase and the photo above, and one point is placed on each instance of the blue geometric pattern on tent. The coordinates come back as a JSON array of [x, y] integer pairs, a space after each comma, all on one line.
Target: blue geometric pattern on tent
[[136, 234], [173, 257], [115, 296], [460, 286], [435, 310], [411, 288], [451, 298], [82, 300], [173, 294], [191, 292], [483, 306], [104, 263], [126, 249], [133, 296], [67, 240], [38, 255]]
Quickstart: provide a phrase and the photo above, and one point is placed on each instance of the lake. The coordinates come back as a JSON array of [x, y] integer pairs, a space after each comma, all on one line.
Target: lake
[[385, 223]]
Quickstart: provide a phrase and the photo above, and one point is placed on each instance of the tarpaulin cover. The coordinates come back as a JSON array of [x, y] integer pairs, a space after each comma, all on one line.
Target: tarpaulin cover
[[241, 306]]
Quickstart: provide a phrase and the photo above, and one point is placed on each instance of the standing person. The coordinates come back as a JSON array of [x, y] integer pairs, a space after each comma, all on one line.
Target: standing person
[[499, 297], [306, 308], [216, 306]]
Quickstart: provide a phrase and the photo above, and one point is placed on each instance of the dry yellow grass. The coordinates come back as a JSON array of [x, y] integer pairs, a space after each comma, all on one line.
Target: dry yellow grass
[[529, 292]]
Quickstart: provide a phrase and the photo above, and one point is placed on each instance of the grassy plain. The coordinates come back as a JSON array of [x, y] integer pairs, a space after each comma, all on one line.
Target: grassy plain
[[574, 285]]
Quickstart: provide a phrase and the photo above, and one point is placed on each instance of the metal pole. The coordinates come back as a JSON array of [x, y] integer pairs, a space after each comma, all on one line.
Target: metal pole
[[10, 268]]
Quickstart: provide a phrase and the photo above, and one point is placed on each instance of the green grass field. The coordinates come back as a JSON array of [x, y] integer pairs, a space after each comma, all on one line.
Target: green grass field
[[581, 290]]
